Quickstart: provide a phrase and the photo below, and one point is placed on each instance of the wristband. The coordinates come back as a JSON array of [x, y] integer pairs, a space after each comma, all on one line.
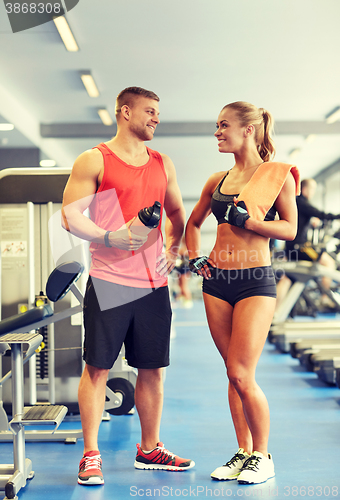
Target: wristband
[[196, 264], [106, 239]]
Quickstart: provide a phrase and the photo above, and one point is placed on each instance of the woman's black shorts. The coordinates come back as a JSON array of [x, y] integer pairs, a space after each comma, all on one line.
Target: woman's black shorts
[[142, 324], [233, 285]]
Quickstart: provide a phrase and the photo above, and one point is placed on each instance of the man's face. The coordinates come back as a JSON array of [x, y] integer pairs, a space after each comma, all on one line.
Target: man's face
[[144, 118]]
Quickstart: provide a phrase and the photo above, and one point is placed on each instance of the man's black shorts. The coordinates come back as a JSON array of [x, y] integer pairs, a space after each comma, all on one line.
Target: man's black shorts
[[143, 325]]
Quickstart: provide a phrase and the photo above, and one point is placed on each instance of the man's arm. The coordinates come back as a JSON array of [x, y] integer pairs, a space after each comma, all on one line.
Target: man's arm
[[175, 215], [309, 210], [78, 195]]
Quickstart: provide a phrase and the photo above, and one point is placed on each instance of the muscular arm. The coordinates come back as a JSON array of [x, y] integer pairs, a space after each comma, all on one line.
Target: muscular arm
[[175, 214], [78, 195], [286, 227]]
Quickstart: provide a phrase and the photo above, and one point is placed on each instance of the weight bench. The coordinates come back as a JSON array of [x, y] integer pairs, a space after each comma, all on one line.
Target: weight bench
[[18, 333]]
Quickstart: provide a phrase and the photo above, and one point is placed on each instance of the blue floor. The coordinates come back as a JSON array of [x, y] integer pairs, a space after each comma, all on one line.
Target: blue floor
[[304, 440]]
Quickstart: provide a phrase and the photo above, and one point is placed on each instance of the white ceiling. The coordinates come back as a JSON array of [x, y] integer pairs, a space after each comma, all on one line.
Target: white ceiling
[[197, 55]]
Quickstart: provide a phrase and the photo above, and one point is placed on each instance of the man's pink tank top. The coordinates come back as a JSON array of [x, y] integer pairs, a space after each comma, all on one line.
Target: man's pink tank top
[[125, 190]]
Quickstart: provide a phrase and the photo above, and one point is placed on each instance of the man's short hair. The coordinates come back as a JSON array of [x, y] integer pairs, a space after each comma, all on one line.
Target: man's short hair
[[307, 183], [129, 95]]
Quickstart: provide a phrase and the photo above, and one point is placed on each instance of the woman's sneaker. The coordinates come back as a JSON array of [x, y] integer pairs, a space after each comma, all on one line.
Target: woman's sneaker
[[90, 469], [231, 469], [160, 458], [257, 469]]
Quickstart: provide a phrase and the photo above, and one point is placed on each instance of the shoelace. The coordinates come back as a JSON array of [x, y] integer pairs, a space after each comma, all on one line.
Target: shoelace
[[166, 452], [92, 462], [235, 458], [251, 463]]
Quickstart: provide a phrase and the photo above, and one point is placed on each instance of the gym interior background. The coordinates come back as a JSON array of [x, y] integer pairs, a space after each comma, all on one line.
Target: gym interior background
[[196, 56]]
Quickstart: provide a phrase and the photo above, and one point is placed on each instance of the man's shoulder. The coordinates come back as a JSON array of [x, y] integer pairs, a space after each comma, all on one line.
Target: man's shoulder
[[90, 160]]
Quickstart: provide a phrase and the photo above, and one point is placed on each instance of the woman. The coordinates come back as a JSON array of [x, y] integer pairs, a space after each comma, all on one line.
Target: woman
[[239, 287]]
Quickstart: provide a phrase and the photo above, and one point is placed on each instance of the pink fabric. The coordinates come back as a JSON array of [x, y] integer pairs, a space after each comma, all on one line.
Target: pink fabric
[[125, 190]]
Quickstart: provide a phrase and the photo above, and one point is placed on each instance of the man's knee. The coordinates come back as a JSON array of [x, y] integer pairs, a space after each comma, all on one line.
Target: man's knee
[[95, 374]]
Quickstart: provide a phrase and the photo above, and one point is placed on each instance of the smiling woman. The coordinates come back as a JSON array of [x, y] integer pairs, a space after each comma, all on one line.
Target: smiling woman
[[239, 285]]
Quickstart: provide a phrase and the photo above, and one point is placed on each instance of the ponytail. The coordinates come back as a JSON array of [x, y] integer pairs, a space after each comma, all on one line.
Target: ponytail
[[266, 148]]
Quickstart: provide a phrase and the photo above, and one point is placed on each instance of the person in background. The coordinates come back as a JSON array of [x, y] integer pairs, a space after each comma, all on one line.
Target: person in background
[[183, 274], [299, 249]]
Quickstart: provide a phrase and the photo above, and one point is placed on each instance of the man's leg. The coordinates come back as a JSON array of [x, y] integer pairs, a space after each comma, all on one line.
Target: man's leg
[[91, 398], [149, 404]]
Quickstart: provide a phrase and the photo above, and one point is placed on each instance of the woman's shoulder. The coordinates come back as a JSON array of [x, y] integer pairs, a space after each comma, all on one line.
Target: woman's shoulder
[[218, 176], [214, 180]]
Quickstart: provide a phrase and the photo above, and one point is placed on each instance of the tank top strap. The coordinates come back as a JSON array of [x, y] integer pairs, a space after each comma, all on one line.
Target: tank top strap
[[103, 149]]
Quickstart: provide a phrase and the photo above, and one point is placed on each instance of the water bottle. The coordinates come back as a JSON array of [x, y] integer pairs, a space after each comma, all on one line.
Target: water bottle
[[148, 218]]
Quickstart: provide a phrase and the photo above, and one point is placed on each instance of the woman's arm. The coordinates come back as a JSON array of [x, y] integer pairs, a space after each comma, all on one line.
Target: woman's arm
[[285, 204], [200, 212]]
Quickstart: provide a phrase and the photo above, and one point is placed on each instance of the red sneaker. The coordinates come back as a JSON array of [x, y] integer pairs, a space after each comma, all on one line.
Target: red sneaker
[[160, 458], [90, 469]]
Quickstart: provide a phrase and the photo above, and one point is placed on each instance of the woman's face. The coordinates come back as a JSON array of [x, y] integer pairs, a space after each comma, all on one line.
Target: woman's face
[[230, 134]]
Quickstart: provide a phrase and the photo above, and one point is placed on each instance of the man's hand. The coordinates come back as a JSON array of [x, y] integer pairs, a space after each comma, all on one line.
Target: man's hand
[[124, 239], [165, 263]]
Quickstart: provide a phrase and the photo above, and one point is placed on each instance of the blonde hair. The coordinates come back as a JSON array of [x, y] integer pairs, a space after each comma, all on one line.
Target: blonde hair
[[262, 120]]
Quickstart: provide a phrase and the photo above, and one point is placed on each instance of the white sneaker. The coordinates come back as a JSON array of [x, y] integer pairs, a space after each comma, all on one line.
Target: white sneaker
[[257, 469], [232, 468]]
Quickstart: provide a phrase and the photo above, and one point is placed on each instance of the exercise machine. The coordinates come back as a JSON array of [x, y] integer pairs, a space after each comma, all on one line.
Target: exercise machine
[[300, 273], [19, 334]]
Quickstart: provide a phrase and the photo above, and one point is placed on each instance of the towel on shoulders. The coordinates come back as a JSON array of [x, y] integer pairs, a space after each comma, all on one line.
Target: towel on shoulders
[[260, 193]]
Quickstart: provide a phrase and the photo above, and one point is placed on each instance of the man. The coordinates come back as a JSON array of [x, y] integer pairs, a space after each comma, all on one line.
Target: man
[[127, 298], [297, 248]]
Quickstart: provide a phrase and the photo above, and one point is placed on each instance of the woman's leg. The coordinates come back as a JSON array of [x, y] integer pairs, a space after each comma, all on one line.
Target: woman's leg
[[219, 316], [252, 318]]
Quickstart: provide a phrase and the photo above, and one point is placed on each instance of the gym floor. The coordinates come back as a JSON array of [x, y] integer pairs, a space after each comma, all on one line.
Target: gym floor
[[304, 440]]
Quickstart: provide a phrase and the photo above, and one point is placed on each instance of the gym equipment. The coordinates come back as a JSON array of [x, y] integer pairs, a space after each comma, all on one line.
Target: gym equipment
[[309, 358], [295, 331], [315, 345], [325, 365], [29, 199], [14, 335], [337, 377], [300, 273]]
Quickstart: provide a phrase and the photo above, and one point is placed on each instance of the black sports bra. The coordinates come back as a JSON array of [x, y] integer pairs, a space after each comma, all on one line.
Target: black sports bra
[[220, 203]]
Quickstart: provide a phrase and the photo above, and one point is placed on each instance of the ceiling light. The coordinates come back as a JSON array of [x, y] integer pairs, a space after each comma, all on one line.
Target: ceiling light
[[105, 116], [89, 83], [66, 34], [294, 152], [6, 126], [333, 116], [47, 163], [310, 138]]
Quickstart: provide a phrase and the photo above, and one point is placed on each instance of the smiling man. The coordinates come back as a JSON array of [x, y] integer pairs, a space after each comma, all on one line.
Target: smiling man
[[127, 298]]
